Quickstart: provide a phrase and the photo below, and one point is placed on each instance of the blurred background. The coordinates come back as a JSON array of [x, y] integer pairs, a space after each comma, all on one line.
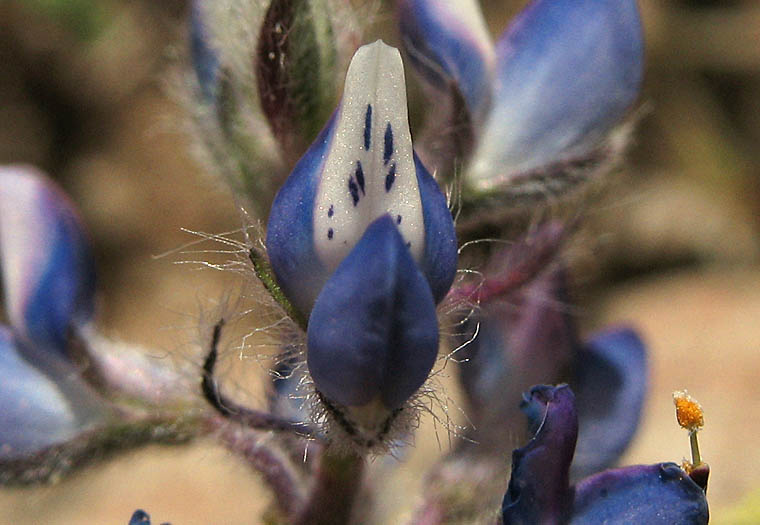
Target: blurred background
[[672, 248]]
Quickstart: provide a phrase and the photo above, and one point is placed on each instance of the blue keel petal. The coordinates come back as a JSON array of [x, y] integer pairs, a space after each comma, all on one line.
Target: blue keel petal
[[373, 333]]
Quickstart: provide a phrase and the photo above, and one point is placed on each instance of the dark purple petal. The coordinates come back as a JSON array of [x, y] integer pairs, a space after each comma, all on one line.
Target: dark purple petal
[[373, 332], [448, 43], [47, 268], [650, 494], [539, 490], [610, 385], [41, 405], [567, 71]]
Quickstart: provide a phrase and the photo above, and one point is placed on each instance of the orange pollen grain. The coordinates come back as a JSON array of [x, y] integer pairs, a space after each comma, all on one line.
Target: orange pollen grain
[[688, 411]]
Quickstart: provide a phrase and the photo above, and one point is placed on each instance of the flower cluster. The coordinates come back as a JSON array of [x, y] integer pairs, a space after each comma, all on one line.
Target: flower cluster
[[360, 258]]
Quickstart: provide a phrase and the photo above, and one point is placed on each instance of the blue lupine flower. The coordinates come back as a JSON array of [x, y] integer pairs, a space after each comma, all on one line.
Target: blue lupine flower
[[361, 167], [361, 238], [558, 80], [47, 268], [48, 286], [527, 334], [539, 489]]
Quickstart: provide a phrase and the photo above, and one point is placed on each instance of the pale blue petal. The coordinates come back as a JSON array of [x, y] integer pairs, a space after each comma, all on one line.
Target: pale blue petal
[[41, 405], [567, 71], [447, 41], [47, 268]]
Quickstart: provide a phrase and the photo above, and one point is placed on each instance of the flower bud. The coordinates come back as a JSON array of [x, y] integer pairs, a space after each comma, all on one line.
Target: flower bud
[[360, 168]]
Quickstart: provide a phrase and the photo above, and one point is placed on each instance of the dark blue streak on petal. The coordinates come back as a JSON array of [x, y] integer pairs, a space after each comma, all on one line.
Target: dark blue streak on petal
[[388, 151], [354, 190], [331, 211], [398, 219], [390, 178], [360, 176], [368, 127], [330, 233]]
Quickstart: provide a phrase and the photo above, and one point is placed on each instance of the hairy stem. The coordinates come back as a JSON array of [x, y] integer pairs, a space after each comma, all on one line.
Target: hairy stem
[[273, 465], [336, 484]]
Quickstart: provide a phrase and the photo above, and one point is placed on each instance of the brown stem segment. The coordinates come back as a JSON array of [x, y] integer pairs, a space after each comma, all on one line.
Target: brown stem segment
[[337, 483]]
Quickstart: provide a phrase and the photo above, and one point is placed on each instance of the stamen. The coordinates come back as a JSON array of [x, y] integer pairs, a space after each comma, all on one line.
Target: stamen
[[691, 417]]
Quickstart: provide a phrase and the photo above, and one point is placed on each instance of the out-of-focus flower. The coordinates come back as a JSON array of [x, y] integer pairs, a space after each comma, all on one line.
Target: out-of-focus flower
[[361, 240], [47, 268], [42, 401], [540, 102], [48, 283], [539, 489], [526, 334]]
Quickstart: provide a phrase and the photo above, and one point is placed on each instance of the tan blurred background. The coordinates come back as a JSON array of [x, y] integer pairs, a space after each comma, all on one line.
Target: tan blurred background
[[673, 249]]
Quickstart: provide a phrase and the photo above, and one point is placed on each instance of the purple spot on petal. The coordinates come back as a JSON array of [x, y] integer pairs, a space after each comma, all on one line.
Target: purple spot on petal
[[331, 211], [354, 190], [330, 233], [360, 176], [388, 152], [398, 219], [367, 127], [390, 178]]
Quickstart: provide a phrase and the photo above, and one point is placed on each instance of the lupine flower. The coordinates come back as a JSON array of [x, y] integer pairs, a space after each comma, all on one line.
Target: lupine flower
[[48, 287], [361, 239], [540, 101], [527, 334], [539, 489]]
